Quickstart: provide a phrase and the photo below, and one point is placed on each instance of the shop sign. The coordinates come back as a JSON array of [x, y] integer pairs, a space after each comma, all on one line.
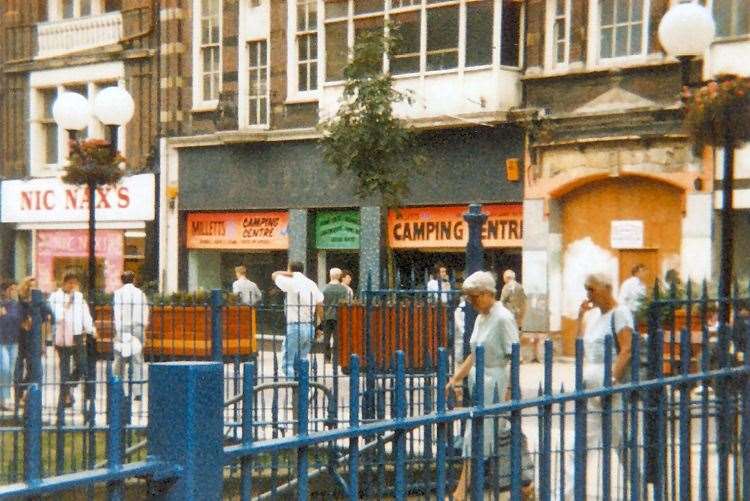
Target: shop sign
[[444, 227], [238, 230], [49, 200], [626, 234], [337, 230]]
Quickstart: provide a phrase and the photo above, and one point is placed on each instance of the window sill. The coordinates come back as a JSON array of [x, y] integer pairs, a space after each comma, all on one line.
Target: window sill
[[731, 39], [205, 106], [302, 99]]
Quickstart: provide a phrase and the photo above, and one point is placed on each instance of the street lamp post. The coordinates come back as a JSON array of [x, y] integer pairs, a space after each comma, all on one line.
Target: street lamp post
[[113, 106]]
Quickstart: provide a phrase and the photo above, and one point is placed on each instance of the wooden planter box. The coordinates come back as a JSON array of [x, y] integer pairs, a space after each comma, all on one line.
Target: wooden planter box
[[417, 330], [185, 331]]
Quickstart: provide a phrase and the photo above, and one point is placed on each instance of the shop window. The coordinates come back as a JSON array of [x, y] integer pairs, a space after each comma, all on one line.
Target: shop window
[[510, 45], [732, 17], [258, 90], [621, 28]]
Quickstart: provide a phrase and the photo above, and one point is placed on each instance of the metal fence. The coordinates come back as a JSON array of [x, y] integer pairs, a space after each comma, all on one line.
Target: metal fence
[[377, 424]]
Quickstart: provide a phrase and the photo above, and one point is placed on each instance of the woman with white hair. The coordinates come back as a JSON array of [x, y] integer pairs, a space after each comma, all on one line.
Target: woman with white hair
[[495, 329]]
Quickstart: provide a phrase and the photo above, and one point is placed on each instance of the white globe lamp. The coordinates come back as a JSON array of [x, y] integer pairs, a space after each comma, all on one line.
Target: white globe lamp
[[114, 106], [71, 111], [686, 30]]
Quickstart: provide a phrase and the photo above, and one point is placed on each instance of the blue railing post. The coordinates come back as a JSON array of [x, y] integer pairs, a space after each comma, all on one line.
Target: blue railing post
[[116, 490], [32, 444], [477, 428], [37, 300], [303, 391], [248, 385], [217, 301], [185, 426]]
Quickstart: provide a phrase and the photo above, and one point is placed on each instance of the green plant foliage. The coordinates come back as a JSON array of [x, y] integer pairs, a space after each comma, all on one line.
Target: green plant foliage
[[364, 139], [92, 161]]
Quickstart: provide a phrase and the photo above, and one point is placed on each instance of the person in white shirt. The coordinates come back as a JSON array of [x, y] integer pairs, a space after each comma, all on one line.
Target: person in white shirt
[[245, 288], [633, 290], [304, 310], [130, 312], [72, 321], [438, 286]]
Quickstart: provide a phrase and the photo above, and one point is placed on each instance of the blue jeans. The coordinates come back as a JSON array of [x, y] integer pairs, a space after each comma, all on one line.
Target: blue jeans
[[296, 344], [8, 354]]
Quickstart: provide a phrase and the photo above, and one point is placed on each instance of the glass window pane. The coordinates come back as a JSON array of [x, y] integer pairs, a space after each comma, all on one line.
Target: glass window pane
[[510, 31], [395, 4], [621, 14], [302, 77], [368, 25], [301, 15], [253, 112], [263, 108], [742, 17], [48, 97], [252, 53], [366, 6], [312, 14], [406, 54], [621, 41], [336, 50], [85, 7], [479, 33], [336, 8], [206, 86], [313, 76], [607, 12], [67, 9], [112, 5], [560, 8], [442, 28], [636, 39], [605, 50], [303, 48], [637, 10], [723, 17], [50, 143]]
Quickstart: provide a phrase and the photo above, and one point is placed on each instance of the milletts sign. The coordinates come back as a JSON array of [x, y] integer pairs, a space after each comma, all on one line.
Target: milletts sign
[[238, 230], [444, 227], [48, 200]]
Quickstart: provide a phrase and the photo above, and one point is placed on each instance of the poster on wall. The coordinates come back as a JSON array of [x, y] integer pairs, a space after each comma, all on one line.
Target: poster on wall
[[626, 234], [238, 230], [444, 227]]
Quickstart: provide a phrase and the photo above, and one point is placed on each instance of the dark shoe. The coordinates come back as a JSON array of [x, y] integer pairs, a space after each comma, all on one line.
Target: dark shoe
[[137, 398]]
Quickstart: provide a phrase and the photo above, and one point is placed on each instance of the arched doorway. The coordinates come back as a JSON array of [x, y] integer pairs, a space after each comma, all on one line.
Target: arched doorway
[[587, 216]]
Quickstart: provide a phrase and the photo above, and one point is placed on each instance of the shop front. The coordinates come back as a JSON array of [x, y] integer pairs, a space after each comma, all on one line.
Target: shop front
[[422, 237], [218, 241], [337, 235], [50, 220]]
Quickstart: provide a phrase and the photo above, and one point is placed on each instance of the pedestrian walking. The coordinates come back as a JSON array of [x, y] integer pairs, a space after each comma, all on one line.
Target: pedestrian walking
[[439, 285], [346, 281], [10, 330], [131, 315], [495, 329], [73, 323], [513, 297], [22, 374], [600, 316], [246, 289], [334, 293], [633, 289], [304, 311]]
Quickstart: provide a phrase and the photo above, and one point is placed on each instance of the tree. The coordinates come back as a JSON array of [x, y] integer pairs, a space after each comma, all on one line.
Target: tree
[[364, 138]]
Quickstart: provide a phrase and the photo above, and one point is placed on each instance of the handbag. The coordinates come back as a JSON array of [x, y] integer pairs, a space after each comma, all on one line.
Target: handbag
[[643, 356]]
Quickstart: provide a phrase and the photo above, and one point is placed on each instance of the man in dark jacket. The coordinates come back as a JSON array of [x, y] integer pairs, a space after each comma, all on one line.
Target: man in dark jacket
[[334, 293]]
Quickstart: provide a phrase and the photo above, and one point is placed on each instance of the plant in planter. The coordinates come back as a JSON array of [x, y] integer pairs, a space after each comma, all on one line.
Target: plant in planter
[[92, 161], [719, 112]]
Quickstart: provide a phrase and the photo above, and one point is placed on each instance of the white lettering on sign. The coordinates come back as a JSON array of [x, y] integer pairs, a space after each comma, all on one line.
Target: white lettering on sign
[[48, 200], [626, 234]]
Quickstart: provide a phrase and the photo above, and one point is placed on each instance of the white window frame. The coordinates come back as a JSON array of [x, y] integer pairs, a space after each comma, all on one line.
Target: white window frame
[[55, 9], [551, 45], [422, 7], [249, 31], [199, 101], [593, 54], [94, 77], [734, 12], [293, 93]]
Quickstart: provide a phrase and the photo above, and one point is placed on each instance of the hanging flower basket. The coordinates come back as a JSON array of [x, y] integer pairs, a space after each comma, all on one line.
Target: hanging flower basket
[[719, 112], [92, 161]]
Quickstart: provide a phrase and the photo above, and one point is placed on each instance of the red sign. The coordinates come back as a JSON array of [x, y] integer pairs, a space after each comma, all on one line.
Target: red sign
[[238, 230], [444, 227]]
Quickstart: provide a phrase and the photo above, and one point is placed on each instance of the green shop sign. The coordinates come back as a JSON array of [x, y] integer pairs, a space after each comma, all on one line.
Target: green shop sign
[[337, 230]]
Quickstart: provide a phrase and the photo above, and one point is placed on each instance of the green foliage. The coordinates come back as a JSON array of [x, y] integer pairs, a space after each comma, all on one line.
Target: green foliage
[[364, 139]]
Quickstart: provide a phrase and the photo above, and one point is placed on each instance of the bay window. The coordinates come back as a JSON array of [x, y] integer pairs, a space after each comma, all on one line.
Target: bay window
[[732, 17], [433, 35]]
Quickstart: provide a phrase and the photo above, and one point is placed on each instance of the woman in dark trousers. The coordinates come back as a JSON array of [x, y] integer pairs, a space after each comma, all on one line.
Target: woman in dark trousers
[[22, 375]]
